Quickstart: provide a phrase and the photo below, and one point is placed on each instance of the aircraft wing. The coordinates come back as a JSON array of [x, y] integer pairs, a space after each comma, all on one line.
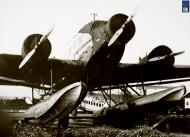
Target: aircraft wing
[[134, 74], [131, 74], [40, 75], [16, 82]]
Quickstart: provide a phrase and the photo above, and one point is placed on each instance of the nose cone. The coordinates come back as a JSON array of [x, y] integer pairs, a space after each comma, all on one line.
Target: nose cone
[[116, 22]]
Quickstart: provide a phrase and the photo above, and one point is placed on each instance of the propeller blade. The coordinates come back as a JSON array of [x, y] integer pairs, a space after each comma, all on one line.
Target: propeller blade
[[44, 37], [176, 53], [119, 31], [26, 59], [157, 58], [29, 55], [115, 36], [165, 56]]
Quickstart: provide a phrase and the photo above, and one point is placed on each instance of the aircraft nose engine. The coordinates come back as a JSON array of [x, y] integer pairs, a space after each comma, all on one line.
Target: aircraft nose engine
[[161, 55], [60, 103], [42, 51], [115, 23]]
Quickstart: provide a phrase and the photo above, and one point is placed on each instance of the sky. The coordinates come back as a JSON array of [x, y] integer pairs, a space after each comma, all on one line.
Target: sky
[[158, 22]]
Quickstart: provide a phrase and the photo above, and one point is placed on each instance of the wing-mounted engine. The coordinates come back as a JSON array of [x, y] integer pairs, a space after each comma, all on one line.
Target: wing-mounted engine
[[116, 22], [41, 50], [160, 56]]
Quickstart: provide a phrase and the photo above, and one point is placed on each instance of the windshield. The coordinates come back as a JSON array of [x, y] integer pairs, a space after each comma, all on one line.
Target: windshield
[[79, 44]]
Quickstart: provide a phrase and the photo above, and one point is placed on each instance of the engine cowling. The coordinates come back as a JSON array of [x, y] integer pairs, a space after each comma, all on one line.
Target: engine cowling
[[115, 23], [42, 51], [161, 52]]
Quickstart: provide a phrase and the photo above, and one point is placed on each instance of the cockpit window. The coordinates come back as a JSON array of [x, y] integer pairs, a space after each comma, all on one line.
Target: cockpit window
[[79, 44]]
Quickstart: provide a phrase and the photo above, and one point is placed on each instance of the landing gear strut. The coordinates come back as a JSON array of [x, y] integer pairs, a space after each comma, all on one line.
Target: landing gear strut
[[63, 123]]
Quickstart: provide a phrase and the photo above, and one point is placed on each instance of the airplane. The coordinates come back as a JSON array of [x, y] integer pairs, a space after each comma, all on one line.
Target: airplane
[[94, 102], [96, 50]]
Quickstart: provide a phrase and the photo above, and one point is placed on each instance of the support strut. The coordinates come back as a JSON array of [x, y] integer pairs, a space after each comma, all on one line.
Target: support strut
[[133, 90], [109, 97], [142, 81], [105, 98]]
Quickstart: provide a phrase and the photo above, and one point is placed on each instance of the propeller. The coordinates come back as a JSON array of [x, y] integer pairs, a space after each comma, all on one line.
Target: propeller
[[119, 31], [165, 56], [29, 55]]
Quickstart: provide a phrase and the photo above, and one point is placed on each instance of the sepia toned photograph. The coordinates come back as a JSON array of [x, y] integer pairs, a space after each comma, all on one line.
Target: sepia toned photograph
[[95, 68]]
